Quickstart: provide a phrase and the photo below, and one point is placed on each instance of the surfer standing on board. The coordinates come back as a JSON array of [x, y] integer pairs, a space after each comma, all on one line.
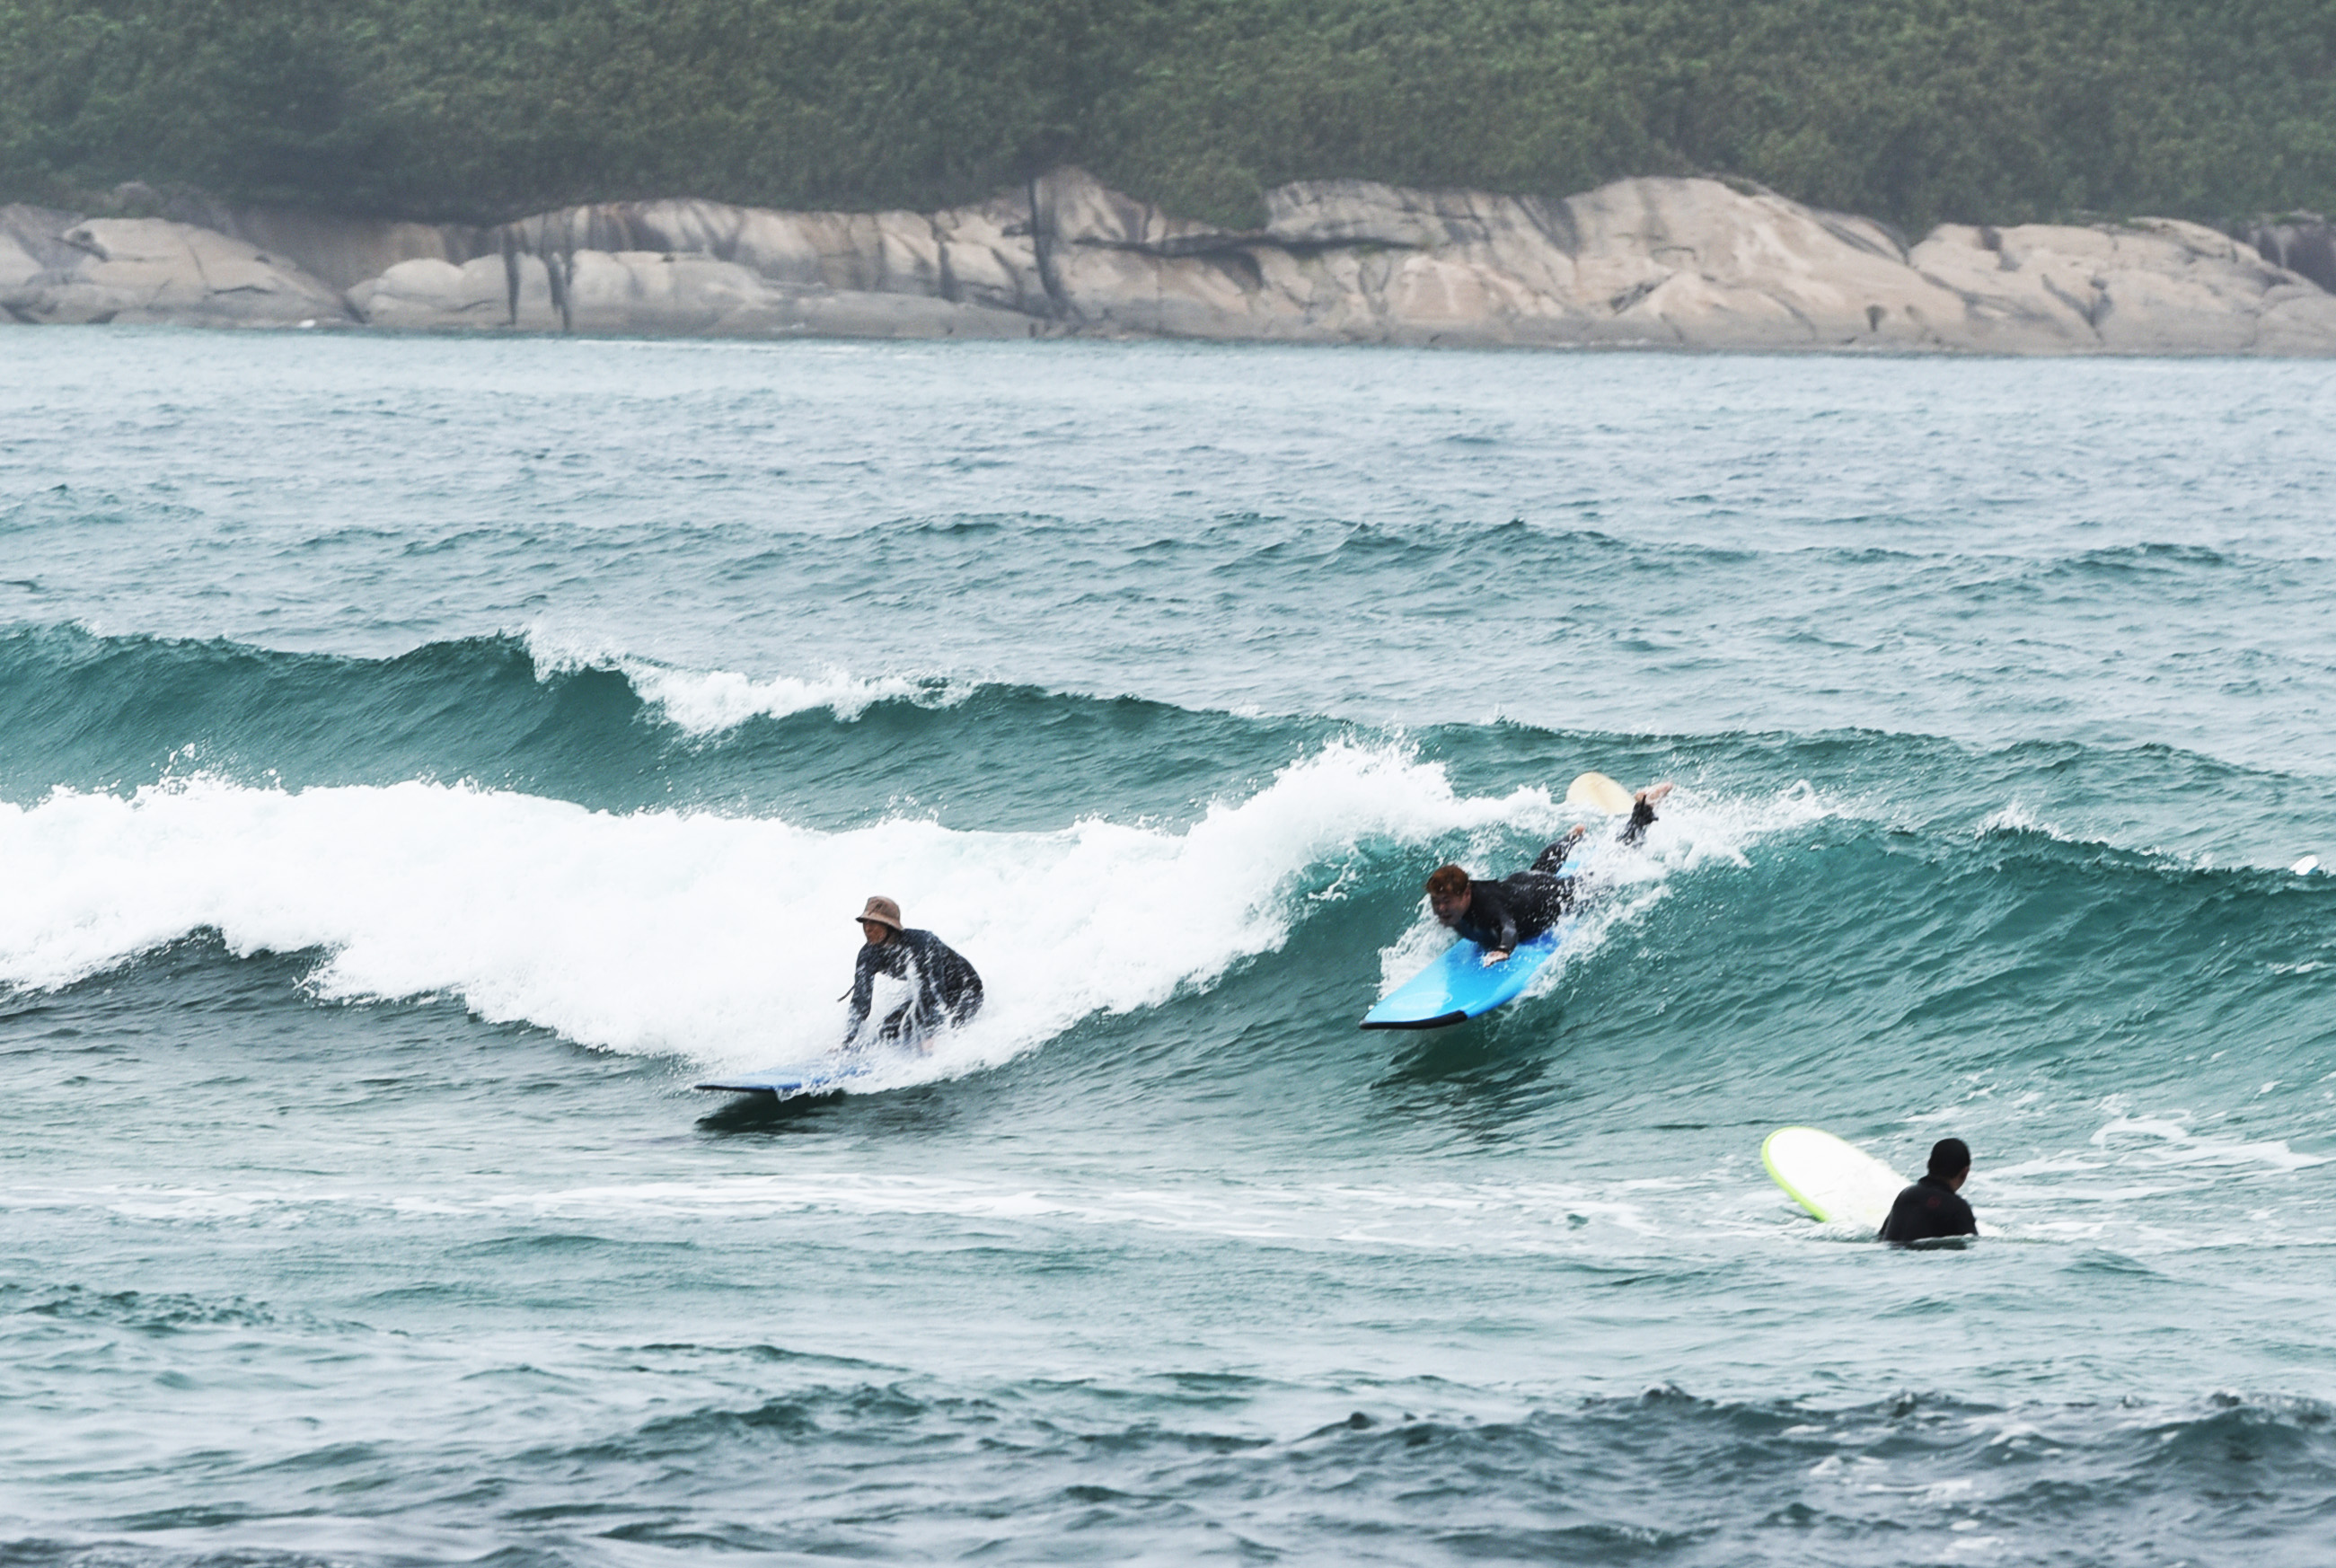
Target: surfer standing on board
[[1497, 916], [1934, 1207], [943, 987]]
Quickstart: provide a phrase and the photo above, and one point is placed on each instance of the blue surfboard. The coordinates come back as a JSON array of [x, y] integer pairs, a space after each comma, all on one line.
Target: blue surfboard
[[1460, 986], [826, 1074]]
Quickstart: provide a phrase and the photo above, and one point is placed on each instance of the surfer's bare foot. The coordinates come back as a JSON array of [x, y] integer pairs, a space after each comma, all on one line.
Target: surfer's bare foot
[[1654, 792]]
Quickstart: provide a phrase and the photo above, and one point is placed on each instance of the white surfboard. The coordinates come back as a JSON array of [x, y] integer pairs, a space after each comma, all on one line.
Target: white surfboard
[[1596, 790], [1837, 1182]]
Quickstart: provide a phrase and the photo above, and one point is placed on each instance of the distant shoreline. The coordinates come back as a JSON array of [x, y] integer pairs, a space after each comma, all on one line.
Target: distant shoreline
[[1681, 264]]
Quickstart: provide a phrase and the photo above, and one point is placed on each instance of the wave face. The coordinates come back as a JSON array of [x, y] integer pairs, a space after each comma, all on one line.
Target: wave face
[[386, 847]]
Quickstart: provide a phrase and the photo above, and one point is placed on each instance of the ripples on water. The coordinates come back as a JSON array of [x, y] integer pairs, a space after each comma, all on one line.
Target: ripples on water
[[424, 759]]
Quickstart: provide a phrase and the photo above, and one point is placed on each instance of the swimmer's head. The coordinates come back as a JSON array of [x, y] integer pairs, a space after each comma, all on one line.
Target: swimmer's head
[[1447, 894]]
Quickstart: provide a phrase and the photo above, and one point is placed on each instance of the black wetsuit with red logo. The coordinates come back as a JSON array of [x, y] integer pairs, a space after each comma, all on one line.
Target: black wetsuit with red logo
[[1927, 1211]]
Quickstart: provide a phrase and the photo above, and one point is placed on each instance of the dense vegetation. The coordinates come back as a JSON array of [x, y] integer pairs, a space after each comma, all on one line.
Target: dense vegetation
[[1915, 109]]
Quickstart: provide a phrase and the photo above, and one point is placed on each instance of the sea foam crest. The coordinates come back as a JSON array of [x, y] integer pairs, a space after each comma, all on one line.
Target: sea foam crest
[[710, 701], [2016, 818], [721, 938]]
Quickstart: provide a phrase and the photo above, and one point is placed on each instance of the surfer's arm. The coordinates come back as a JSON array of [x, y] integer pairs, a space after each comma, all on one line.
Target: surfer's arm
[[1499, 953], [1643, 811], [864, 981]]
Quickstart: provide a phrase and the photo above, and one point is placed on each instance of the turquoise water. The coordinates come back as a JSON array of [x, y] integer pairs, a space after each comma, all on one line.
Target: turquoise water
[[421, 761]]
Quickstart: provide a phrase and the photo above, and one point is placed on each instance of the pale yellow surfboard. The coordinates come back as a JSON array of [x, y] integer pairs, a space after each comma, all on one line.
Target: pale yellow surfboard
[[1595, 789]]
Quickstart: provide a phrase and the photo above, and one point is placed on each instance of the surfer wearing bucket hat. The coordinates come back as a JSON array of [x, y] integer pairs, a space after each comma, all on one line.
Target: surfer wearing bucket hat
[[943, 988]]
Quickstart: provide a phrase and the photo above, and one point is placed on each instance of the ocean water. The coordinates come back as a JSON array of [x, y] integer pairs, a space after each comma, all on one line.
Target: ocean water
[[422, 760]]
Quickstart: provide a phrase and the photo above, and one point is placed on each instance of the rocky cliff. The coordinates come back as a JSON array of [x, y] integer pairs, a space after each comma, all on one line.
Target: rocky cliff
[[1641, 263]]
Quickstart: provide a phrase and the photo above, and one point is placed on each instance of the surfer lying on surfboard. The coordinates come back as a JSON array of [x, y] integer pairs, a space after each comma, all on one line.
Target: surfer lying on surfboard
[[1497, 916]]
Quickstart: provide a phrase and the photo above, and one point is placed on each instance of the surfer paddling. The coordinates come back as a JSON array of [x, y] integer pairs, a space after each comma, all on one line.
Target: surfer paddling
[[1934, 1207], [1497, 916], [943, 987]]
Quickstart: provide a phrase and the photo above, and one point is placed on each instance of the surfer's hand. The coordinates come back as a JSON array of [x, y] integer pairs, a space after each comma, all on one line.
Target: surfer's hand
[[1498, 955]]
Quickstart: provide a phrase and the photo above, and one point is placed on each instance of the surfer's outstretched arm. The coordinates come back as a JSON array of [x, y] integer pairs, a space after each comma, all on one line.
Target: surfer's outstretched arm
[[1643, 811]]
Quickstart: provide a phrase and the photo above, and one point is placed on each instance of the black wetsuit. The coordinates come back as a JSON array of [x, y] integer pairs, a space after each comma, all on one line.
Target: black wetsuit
[[1519, 908], [1514, 910], [1926, 1211], [943, 987]]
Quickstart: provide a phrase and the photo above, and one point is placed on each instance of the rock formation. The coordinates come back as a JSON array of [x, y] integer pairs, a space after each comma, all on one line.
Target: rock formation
[[1671, 263], [2153, 287], [148, 269], [2304, 242]]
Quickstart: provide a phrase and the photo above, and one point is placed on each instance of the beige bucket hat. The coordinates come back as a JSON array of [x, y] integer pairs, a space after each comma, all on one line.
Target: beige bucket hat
[[883, 912]]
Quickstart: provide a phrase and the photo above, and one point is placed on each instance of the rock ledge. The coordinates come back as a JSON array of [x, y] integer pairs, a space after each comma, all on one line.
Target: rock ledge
[[1668, 263]]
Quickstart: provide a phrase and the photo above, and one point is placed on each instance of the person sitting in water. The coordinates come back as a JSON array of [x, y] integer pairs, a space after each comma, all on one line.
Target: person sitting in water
[[1497, 916], [1934, 1207], [943, 988]]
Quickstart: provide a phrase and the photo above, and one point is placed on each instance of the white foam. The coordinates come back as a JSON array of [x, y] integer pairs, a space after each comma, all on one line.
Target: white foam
[[1493, 1218], [2164, 1140], [723, 940]]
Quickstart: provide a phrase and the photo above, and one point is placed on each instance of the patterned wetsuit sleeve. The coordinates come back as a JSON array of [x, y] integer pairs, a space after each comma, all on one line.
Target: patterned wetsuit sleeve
[[961, 985], [929, 955], [943, 978]]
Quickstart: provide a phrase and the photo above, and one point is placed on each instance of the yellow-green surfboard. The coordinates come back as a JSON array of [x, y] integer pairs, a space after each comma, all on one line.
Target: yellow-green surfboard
[[1837, 1182]]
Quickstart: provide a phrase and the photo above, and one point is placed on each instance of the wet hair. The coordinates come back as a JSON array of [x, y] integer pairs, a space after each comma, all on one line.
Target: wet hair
[[1950, 1156], [1448, 883]]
